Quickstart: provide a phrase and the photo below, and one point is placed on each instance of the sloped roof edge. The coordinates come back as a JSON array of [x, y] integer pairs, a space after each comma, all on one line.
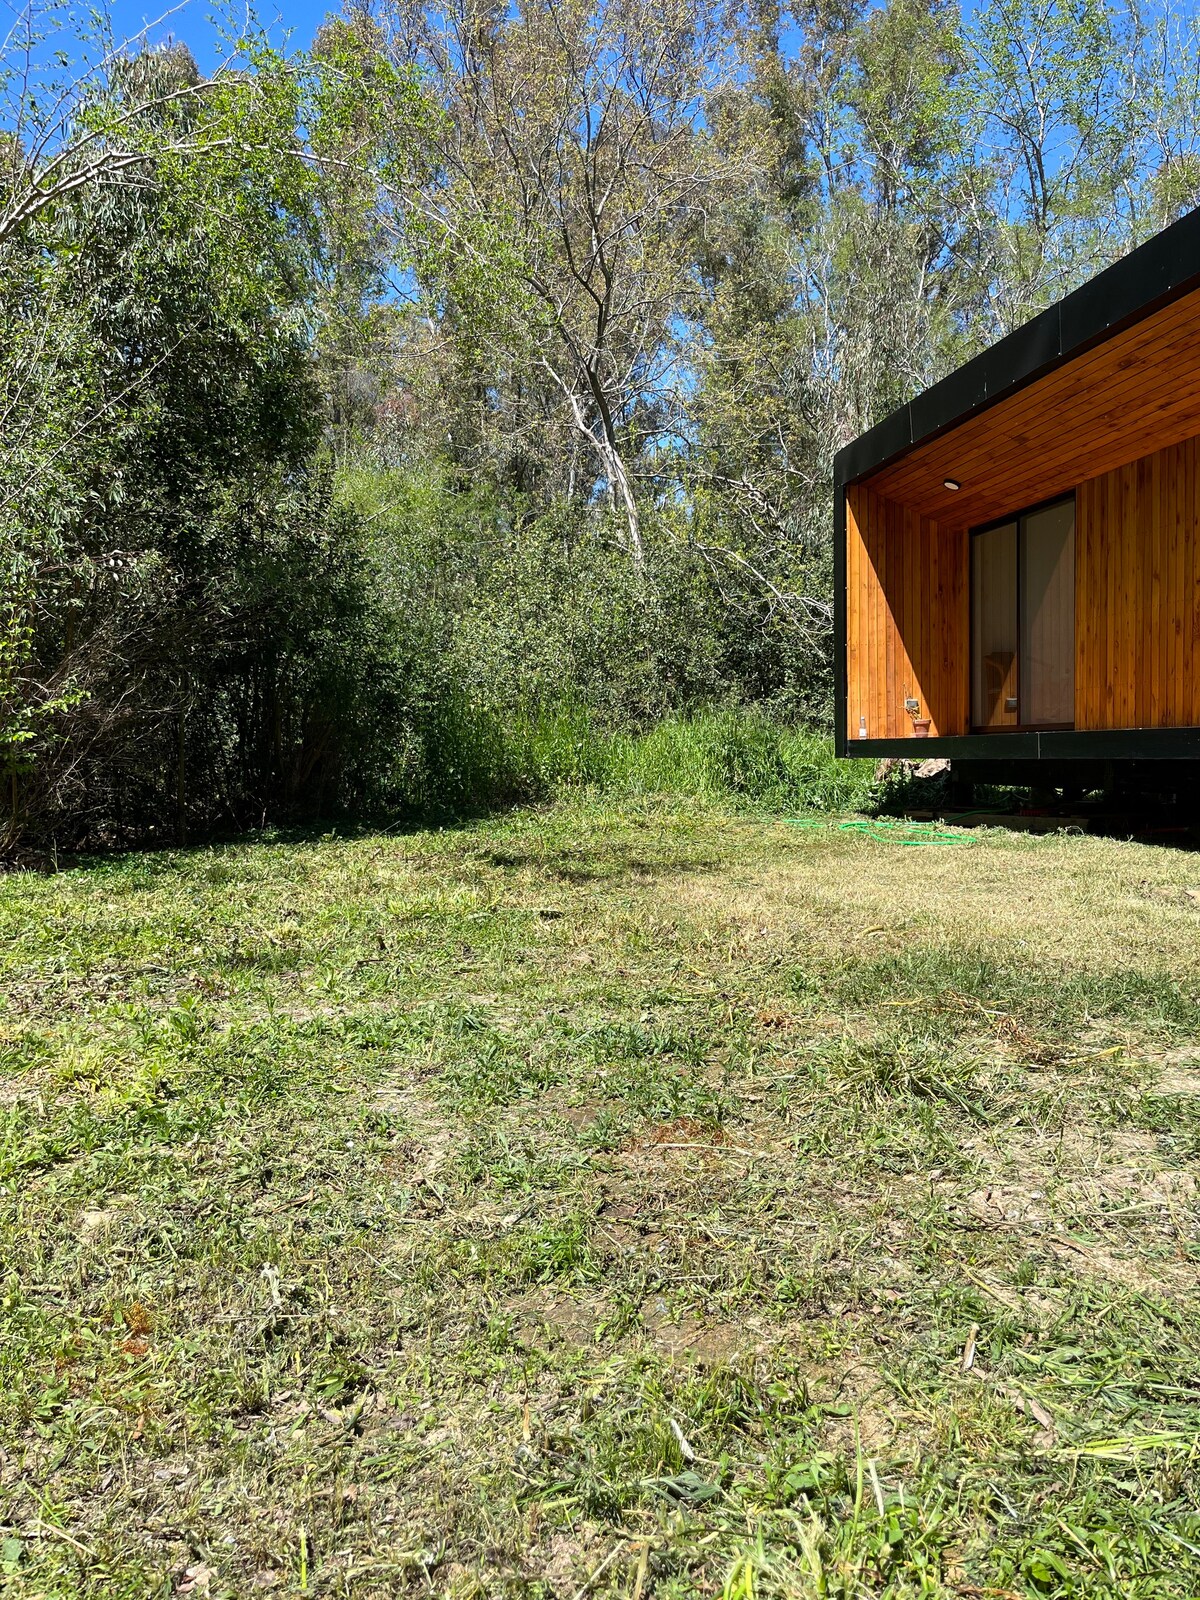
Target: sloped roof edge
[[1162, 269]]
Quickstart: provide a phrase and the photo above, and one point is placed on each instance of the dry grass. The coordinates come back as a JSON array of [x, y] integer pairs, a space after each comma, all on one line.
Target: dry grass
[[603, 1203], [1096, 904]]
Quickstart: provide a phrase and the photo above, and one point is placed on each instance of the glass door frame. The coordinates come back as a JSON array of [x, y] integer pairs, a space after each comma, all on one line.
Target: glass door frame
[[1016, 518]]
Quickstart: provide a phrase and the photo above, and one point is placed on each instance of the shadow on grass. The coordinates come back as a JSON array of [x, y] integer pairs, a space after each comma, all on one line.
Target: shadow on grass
[[603, 865], [160, 848], [1169, 816]]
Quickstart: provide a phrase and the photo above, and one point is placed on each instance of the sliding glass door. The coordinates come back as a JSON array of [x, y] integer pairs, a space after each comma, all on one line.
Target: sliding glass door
[[1047, 606], [1023, 621], [994, 627]]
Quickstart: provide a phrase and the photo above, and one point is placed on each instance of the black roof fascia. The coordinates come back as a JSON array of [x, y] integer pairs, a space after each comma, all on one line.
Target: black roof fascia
[[1162, 269]]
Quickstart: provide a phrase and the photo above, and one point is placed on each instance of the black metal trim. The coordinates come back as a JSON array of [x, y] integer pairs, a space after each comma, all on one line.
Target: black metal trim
[[1166, 267], [1077, 744]]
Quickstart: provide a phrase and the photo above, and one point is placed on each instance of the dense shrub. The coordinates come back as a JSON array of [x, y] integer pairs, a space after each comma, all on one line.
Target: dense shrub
[[203, 624], [542, 609]]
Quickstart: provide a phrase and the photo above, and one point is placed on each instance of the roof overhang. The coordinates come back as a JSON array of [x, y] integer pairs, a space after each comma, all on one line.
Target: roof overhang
[[1077, 391]]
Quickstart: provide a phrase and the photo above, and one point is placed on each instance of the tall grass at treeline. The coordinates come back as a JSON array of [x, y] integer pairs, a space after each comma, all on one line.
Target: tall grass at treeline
[[473, 757]]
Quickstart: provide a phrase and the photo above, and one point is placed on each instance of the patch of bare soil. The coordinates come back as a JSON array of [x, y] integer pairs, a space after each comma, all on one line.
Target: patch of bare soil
[[690, 1340], [1077, 1148], [684, 1133], [1033, 1174], [1101, 1181], [577, 1114], [1179, 1080], [434, 1138], [684, 1339], [1138, 1185], [566, 1563], [1180, 1072], [1006, 1203], [97, 1221], [1154, 1277], [1037, 1200], [545, 1311], [670, 1169], [874, 1423]]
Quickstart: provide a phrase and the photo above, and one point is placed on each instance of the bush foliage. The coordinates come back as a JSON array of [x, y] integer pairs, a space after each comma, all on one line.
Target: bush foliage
[[385, 432]]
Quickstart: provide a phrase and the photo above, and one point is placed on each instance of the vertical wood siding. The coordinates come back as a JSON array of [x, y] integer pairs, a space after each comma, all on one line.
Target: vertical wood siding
[[907, 619], [1137, 593]]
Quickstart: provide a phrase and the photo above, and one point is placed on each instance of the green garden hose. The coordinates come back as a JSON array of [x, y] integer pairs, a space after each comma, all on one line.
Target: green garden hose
[[888, 832]]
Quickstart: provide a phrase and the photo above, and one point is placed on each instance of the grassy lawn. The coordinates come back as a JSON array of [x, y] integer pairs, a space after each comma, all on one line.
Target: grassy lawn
[[594, 1202]]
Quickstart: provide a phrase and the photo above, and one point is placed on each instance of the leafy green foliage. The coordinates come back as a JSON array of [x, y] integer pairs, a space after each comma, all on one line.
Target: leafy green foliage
[[192, 604], [433, 422]]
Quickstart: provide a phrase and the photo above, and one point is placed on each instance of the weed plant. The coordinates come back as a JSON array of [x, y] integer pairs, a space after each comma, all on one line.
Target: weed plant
[[739, 758]]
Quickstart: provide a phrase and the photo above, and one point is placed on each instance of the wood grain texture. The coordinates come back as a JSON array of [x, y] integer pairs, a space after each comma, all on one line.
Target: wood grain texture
[[1137, 593], [1137, 604], [1132, 395], [907, 620]]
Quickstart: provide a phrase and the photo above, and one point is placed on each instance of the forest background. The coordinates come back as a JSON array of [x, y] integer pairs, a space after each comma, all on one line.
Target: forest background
[[445, 412]]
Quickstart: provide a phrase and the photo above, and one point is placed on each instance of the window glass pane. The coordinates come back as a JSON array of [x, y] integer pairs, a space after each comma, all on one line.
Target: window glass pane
[[1048, 615], [994, 627]]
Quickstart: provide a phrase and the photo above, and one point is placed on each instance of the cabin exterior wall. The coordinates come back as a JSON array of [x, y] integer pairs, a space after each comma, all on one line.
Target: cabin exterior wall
[[907, 623], [906, 610], [1110, 373], [1137, 593]]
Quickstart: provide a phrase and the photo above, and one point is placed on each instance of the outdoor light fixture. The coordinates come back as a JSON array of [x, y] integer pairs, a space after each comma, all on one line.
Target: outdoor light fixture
[[951, 483]]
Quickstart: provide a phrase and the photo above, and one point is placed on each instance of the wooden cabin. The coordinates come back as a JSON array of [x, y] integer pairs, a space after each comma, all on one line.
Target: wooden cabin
[[1018, 548]]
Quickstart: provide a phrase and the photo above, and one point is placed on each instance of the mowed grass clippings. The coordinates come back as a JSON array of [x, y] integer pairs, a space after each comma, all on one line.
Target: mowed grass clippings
[[593, 1202]]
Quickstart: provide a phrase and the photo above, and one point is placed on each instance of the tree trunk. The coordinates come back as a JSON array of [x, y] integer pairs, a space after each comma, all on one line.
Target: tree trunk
[[619, 479], [614, 468]]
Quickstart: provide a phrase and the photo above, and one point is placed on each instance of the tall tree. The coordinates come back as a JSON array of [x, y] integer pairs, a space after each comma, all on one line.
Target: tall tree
[[1054, 97], [551, 199], [159, 490]]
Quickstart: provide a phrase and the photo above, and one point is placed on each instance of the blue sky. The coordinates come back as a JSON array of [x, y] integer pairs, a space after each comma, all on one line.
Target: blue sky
[[195, 23]]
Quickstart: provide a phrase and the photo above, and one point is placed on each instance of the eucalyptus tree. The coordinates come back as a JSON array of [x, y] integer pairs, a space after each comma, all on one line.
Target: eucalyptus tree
[[1169, 104], [833, 289], [935, 180], [1055, 101], [550, 196]]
